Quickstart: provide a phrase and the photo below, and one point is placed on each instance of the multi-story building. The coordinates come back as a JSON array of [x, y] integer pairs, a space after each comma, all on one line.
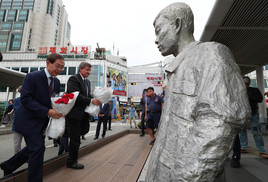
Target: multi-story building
[[26, 25]]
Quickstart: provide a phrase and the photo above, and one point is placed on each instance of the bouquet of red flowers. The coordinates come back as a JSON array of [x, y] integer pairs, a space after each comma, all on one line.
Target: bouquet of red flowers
[[62, 105], [64, 99]]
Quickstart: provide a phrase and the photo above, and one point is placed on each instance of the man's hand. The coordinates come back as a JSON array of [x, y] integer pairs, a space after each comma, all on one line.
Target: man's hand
[[96, 102], [54, 114]]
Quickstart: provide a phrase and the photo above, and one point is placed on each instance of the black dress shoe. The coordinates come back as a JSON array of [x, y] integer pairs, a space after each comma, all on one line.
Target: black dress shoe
[[6, 172], [141, 134], [75, 166], [103, 137], [235, 163], [95, 138], [83, 137]]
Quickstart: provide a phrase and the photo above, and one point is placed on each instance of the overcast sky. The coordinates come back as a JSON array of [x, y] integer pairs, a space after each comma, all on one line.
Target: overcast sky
[[127, 24]]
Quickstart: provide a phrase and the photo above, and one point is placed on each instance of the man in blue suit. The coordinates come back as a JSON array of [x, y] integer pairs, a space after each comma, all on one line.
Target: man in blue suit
[[32, 117], [103, 116]]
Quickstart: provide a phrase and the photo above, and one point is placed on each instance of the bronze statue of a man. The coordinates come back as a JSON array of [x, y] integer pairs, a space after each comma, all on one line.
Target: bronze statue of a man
[[205, 106]]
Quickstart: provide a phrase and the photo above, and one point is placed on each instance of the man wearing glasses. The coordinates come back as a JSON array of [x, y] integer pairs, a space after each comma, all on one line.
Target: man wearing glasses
[[32, 117]]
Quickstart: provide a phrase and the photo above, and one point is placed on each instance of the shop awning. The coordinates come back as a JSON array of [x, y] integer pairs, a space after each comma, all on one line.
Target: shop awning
[[10, 78], [243, 27]]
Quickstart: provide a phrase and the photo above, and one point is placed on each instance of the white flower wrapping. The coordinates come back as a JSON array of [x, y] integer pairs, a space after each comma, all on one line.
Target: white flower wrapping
[[103, 94], [56, 127]]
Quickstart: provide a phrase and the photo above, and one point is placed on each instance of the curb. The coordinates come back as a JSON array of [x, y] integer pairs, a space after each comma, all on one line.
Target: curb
[[6, 131]]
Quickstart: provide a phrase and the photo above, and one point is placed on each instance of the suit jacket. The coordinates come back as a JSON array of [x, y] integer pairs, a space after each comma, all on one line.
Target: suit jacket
[[75, 83], [105, 110], [31, 117]]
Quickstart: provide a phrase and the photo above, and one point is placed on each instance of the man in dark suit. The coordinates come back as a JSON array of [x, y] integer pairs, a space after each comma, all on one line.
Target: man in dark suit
[[109, 119], [32, 117], [77, 118], [103, 116]]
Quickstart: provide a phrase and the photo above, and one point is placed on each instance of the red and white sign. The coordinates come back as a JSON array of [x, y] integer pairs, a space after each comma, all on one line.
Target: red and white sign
[[120, 92], [63, 50], [154, 78], [42, 50]]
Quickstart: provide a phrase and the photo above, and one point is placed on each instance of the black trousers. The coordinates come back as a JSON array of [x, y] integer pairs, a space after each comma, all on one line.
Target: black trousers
[[104, 121], [109, 122], [142, 123], [75, 129], [236, 148]]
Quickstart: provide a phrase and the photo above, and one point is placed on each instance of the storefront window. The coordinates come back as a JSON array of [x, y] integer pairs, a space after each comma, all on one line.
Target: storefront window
[[16, 68], [33, 69], [24, 69], [62, 87], [71, 71], [63, 72]]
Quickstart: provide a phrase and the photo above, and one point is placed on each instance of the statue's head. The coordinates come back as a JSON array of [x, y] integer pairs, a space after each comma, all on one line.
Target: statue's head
[[170, 24]]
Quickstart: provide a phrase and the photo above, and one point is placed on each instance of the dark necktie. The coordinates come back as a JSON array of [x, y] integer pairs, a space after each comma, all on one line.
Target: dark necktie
[[51, 86], [85, 84]]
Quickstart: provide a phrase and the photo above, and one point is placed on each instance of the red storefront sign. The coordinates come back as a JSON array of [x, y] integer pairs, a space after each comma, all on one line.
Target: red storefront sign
[[154, 78], [63, 50], [120, 92]]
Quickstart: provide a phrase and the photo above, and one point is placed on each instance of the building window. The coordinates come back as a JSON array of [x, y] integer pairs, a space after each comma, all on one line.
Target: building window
[[3, 89], [58, 15], [15, 42], [50, 7], [62, 87], [3, 37], [55, 37], [33, 69], [23, 15], [28, 4], [6, 26], [15, 45], [17, 36], [63, 72], [71, 70], [3, 46], [41, 68], [24, 69], [265, 83], [68, 30], [16, 68], [253, 83], [2, 15], [17, 5], [11, 15], [18, 26], [6, 5]]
